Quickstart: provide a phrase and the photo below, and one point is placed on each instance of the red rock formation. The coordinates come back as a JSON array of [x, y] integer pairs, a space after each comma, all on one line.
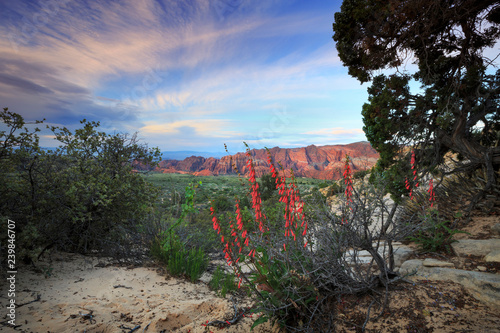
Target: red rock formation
[[321, 162]]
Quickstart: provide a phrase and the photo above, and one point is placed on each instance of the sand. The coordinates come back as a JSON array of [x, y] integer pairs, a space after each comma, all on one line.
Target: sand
[[71, 287], [119, 299]]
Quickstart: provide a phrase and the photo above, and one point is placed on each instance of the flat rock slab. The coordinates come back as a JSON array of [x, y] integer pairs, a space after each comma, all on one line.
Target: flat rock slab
[[401, 253], [493, 256], [475, 247], [429, 262], [483, 286]]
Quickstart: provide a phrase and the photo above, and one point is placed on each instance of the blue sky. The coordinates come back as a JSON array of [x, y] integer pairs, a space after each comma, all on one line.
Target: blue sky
[[186, 75]]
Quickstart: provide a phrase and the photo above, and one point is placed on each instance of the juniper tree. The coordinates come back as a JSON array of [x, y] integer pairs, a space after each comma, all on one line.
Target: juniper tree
[[451, 43]]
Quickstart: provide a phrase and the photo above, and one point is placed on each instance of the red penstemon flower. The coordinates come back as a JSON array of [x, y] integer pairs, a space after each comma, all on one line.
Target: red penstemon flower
[[432, 197], [237, 239], [348, 182], [348, 178], [289, 195], [408, 185], [256, 200]]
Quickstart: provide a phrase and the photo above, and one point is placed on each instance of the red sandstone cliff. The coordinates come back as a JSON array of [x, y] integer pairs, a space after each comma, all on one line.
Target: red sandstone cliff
[[321, 162]]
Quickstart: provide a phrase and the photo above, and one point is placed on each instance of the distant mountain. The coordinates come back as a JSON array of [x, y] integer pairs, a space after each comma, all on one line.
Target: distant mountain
[[320, 162]]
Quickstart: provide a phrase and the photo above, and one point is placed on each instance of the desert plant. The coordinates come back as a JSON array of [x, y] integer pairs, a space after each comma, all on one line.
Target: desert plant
[[81, 196], [180, 258], [196, 264], [306, 258], [435, 234], [254, 243], [187, 262], [223, 282]]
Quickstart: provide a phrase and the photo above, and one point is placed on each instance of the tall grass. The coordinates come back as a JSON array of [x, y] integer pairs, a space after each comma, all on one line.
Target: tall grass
[[222, 282]]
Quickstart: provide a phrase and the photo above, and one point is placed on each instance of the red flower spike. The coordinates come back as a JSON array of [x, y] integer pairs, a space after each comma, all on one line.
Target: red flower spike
[[348, 180], [431, 192]]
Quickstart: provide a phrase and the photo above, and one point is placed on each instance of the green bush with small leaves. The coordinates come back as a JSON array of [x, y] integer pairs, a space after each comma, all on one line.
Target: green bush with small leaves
[[167, 246], [223, 282], [436, 235]]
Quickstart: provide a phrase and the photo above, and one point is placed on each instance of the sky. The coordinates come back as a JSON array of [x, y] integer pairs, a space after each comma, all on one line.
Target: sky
[[186, 75]]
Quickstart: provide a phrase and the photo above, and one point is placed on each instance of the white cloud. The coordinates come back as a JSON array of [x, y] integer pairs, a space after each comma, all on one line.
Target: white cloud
[[172, 69]]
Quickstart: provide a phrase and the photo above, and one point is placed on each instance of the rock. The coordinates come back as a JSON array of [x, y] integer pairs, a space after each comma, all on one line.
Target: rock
[[429, 262], [482, 268], [495, 229], [483, 286], [322, 162], [401, 254], [493, 256], [475, 247], [410, 266]]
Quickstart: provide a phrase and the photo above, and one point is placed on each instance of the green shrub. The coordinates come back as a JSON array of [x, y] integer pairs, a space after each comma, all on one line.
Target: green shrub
[[222, 282], [222, 203], [80, 197], [190, 263], [168, 247], [196, 264], [323, 184], [178, 258], [435, 236], [360, 174]]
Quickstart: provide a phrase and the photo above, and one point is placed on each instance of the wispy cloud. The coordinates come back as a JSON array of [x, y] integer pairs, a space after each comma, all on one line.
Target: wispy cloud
[[206, 127], [335, 135], [197, 70]]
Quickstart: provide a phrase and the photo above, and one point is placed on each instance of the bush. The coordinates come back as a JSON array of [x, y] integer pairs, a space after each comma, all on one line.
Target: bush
[[82, 196], [303, 259], [323, 184], [222, 282], [173, 250], [191, 263], [222, 204], [178, 259], [435, 235], [360, 174]]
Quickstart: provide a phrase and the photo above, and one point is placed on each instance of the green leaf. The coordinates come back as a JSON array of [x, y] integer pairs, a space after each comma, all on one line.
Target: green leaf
[[261, 320]]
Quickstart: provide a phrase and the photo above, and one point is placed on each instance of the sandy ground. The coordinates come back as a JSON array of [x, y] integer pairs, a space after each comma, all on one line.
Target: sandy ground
[[422, 307], [71, 287], [120, 299]]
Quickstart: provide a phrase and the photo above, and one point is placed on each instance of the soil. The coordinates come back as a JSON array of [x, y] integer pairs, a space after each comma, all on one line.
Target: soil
[[82, 294], [72, 293], [425, 306], [479, 227]]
